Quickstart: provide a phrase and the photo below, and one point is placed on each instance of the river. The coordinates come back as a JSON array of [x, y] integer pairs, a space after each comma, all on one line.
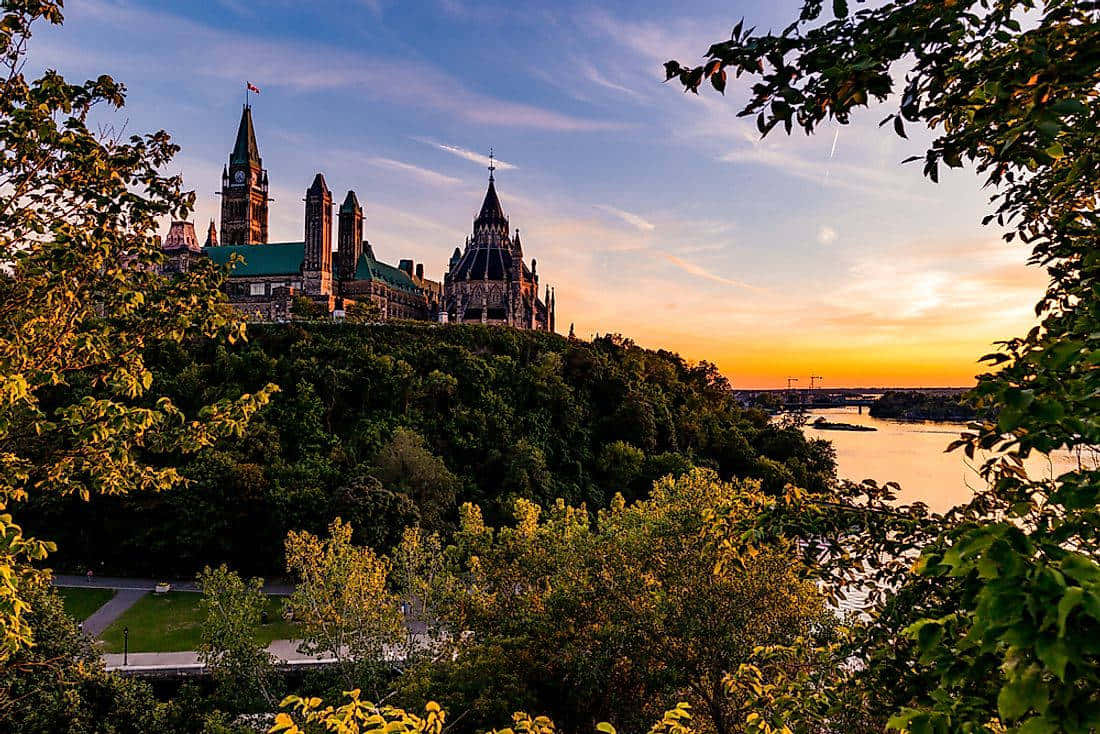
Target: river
[[911, 453]]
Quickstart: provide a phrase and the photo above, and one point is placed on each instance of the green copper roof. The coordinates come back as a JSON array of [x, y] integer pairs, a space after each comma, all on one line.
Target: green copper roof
[[284, 258], [371, 269]]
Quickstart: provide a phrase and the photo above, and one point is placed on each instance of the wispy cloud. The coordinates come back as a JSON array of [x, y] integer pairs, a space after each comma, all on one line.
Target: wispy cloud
[[632, 219], [657, 42], [826, 235], [702, 272], [862, 179], [306, 68], [424, 174], [469, 155], [593, 75], [237, 7], [929, 290]]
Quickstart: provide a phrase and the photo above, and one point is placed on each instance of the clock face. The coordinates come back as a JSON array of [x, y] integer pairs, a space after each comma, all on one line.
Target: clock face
[[239, 177]]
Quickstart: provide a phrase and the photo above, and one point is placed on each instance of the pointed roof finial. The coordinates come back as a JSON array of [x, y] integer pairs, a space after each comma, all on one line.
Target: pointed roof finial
[[491, 211], [492, 163]]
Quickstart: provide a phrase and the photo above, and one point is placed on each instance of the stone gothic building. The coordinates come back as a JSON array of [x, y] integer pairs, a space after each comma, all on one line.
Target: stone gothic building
[[487, 283]]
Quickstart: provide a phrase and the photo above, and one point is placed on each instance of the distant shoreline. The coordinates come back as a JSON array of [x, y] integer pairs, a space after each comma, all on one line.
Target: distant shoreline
[[854, 390]]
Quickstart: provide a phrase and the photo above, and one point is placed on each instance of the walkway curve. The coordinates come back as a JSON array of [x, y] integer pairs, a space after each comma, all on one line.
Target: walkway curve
[[112, 610]]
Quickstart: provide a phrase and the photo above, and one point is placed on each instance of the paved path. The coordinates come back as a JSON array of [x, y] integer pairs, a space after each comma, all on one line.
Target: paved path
[[142, 584], [112, 610], [285, 652]]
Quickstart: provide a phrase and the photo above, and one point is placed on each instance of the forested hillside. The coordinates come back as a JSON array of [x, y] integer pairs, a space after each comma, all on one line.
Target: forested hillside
[[390, 425]]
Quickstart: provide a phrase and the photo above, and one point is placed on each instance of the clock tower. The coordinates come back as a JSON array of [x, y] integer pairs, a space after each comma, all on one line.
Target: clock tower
[[244, 190]]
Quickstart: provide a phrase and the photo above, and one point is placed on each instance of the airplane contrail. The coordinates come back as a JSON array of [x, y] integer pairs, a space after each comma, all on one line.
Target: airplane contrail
[[832, 152]]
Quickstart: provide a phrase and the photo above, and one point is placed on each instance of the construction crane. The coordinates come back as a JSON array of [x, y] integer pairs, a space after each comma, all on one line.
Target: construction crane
[[790, 390], [810, 396]]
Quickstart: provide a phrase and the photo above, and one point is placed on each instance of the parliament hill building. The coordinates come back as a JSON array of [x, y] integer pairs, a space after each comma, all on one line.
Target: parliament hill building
[[487, 280]]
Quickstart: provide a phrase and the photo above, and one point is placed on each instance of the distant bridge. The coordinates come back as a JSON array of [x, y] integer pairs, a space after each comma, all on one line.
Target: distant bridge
[[799, 404]]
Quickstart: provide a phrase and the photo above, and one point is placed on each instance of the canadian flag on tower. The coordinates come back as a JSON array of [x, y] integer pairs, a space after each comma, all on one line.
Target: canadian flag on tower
[[252, 87]]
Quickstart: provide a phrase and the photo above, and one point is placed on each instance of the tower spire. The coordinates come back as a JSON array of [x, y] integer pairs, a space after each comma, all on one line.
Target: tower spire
[[492, 164], [244, 189], [245, 149], [491, 211]]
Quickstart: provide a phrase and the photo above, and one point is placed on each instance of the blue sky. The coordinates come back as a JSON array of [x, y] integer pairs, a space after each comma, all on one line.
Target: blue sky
[[655, 214]]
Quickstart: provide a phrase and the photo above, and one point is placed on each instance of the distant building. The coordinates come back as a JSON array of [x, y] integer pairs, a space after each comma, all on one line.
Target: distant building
[[488, 282], [180, 247]]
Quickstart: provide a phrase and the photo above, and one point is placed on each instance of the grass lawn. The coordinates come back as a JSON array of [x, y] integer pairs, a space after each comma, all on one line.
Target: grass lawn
[[80, 603], [172, 622]]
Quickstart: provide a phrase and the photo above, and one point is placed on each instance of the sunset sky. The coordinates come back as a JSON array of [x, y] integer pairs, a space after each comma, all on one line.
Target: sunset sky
[[655, 214]]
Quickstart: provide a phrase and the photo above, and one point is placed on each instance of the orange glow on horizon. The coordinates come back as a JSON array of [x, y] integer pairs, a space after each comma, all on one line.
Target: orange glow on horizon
[[753, 367], [922, 317]]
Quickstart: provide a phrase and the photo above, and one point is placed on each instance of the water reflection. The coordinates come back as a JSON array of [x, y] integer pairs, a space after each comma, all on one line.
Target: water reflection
[[912, 454]]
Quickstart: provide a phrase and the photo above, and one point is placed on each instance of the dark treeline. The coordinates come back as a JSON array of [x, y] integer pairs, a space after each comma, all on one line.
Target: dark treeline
[[915, 405], [393, 425]]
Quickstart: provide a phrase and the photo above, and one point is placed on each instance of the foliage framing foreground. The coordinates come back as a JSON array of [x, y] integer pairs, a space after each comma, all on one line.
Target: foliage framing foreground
[[80, 300], [1008, 614]]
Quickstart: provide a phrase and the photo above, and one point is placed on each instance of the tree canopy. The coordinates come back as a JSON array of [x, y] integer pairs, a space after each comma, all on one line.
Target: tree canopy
[[584, 618], [395, 425], [80, 301], [1012, 89]]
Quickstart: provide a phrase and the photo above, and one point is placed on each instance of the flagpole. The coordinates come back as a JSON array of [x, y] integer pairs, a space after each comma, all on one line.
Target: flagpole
[[249, 87]]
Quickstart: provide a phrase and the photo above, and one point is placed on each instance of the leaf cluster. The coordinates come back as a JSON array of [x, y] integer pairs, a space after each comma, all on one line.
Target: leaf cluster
[[82, 298]]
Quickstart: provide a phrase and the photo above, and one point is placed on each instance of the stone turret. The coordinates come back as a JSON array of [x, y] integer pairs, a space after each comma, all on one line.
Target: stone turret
[[317, 262], [181, 235], [181, 247], [349, 240]]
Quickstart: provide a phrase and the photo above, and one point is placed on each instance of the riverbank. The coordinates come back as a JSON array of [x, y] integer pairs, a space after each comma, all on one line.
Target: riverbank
[[912, 453]]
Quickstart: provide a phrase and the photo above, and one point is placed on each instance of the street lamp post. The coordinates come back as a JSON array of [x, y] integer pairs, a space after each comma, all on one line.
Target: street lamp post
[[125, 646]]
